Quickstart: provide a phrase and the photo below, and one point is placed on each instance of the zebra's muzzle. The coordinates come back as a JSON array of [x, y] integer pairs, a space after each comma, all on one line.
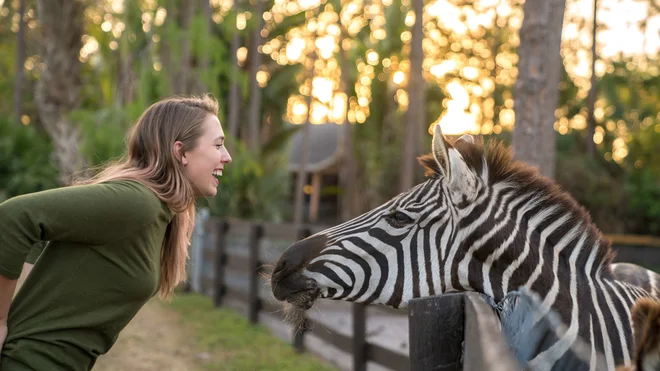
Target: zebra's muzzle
[[304, 299], [288, 281], [296, 289]]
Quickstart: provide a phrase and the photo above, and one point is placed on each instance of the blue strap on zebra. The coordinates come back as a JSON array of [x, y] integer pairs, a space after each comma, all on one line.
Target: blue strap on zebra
[[529, 330]]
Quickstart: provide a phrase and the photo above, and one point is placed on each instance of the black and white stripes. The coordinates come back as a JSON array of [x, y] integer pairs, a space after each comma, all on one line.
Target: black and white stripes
[[484, 223]]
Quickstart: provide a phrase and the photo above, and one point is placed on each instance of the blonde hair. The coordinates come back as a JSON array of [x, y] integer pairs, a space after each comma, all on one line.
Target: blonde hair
[[150, 160]]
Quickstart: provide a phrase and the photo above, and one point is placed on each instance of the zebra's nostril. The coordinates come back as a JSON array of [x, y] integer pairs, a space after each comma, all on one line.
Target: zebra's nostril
[[279, 267], [296, 256], [279, 271]]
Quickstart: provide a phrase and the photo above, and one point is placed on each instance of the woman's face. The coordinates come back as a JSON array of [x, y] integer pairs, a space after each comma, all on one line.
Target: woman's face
[[204, 163]]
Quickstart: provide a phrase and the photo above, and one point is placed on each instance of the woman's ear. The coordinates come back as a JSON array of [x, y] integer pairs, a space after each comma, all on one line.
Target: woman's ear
[[179, 154]]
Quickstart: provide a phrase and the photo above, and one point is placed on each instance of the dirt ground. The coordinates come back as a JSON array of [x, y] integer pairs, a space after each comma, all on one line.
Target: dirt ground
[[153, 340]]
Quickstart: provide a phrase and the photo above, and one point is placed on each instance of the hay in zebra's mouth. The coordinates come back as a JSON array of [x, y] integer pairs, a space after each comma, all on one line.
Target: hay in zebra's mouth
[[304, 299], [297, 305]]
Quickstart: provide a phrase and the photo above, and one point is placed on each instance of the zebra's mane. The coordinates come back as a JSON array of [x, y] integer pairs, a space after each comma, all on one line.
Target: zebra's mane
[[503, 168]]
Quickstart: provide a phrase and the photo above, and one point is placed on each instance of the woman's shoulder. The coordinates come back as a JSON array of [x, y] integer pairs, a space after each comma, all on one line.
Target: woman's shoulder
[[137, 197]]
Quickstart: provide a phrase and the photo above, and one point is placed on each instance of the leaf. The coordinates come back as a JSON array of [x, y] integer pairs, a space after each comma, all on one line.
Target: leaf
[[279, 141]]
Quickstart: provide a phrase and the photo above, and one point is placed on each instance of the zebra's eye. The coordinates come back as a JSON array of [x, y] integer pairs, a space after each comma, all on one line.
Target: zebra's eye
[[399, 219]]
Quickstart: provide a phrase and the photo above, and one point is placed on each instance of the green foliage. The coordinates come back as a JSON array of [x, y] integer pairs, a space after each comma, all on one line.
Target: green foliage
[[255, 185], [643, 182], [103, 131], [207, 44], [644, 146], [7, 64], [592, 182], [231, 341], [282, 84], [290, 22], [644, 208], [378, 142], [25, 162], [621, 197]]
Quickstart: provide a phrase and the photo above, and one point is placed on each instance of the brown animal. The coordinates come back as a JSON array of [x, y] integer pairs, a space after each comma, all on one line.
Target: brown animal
[[646, 324]]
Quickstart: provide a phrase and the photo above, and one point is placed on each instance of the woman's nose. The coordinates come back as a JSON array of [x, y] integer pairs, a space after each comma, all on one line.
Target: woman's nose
[[227, 157]]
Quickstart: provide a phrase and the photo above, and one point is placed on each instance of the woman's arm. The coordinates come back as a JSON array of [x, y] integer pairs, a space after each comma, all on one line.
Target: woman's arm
[[86, 215], [7, 288]]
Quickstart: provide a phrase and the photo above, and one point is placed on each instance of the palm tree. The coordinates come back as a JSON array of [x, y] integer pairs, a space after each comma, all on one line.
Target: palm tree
[[415, 117], [58, 88], [537, 87]]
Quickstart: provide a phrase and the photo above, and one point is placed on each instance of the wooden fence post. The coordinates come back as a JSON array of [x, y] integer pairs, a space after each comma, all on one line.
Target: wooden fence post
[[256, 233], [436, 332], [298, 341], [221, 228], [359, 337], [485, 348]]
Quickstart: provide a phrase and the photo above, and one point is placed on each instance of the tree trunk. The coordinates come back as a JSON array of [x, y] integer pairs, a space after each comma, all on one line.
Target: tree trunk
[[301, 179], [537, 87], [593, 90], [127, 78], [414, 117], [234, 101], [59, 84], [207, 16], [184, 80], [168, 47], [20, 64], [254, 114], [348, 174]]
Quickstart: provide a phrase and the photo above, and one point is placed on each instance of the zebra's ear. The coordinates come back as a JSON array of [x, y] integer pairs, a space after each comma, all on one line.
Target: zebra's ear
[[440, 150], [460, 179], [467, 138]]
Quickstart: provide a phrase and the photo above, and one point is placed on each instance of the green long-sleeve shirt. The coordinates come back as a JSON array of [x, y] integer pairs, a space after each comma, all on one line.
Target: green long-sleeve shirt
[[101, 265]]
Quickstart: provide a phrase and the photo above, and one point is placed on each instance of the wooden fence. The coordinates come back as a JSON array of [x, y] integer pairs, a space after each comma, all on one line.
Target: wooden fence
[[247, 247], [226, 259], [456, 331]]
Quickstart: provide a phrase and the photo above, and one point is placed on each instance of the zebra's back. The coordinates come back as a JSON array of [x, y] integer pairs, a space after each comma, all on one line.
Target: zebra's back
[[637, 276]]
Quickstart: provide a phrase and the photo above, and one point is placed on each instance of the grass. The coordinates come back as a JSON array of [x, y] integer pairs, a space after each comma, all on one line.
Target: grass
[[233, 343]]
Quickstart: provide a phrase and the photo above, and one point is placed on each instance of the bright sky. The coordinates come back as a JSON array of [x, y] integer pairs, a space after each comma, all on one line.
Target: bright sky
[[623, 33]]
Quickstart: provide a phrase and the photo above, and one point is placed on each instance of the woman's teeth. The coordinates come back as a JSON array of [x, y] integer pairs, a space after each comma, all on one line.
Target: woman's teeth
[[217, 173]]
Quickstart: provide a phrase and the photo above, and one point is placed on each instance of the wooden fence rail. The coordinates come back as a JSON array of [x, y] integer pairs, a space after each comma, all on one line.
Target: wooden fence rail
[[446, 332], [218, 232]]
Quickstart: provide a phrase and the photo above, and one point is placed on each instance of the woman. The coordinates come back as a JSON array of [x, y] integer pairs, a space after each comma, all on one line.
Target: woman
[[115, 240]]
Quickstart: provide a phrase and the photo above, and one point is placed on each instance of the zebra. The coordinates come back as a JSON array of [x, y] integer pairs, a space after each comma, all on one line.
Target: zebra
[[479, 222], [526, 336], [646, 322]]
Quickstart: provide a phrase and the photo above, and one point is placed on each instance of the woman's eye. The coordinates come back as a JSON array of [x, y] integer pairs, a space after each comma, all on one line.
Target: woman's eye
[[218, 146]]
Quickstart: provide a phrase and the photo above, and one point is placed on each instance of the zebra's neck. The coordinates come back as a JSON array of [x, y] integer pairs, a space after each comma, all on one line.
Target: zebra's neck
[[531, 239]]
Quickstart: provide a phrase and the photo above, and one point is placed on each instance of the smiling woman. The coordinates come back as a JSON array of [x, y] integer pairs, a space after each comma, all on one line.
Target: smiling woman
[[205, 162], [115, 240]]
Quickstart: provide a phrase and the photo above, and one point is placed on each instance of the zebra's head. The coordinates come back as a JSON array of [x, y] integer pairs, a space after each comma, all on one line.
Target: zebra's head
[[390, 254]]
